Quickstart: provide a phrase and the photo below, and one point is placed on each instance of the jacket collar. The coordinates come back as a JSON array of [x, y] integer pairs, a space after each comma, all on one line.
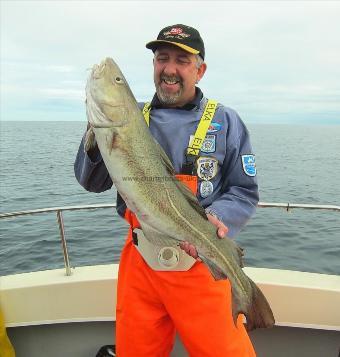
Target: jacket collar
[[195, 103]]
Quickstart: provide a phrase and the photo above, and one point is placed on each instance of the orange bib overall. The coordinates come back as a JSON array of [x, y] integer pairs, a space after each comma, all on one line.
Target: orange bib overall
[[153, 305]]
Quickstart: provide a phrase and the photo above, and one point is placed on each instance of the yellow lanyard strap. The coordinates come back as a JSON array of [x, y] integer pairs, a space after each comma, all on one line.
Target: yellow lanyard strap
[[201, 131], [146, 112], [203, 126]]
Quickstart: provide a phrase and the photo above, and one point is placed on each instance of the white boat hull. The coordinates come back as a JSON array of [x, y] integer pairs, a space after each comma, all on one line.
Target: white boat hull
[[44, 308]]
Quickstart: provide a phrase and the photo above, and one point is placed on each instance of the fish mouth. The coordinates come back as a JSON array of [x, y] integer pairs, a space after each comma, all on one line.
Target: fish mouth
[[98, 70]]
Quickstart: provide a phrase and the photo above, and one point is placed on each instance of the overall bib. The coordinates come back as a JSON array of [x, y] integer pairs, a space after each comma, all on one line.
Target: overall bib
[[152, 305]]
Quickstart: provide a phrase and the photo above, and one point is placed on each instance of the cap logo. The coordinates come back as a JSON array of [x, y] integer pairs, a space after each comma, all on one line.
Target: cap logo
[[176, 32]]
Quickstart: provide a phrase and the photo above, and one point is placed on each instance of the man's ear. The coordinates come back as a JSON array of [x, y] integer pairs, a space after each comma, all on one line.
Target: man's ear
[[200, 72]]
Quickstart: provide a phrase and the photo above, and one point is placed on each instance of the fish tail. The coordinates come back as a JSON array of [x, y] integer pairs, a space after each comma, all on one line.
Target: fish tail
[[259, 314]]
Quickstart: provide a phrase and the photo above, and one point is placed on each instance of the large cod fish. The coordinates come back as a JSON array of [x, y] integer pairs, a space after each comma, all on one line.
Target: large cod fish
[[166, 209]]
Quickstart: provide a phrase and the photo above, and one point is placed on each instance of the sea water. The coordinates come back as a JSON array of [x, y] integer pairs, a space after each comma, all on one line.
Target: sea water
[[296, 164]]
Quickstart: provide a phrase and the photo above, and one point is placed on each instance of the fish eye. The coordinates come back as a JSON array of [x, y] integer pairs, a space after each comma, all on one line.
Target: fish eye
[[119, 80]]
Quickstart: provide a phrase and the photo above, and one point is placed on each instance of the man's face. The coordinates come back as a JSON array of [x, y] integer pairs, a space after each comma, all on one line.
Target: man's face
[[175, 75]]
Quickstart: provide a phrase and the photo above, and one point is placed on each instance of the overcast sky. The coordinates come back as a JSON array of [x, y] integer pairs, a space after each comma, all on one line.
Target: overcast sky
[[272, 61]]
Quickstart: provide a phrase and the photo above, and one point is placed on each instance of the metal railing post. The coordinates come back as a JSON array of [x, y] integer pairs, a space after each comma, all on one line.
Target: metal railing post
[[63, 242]]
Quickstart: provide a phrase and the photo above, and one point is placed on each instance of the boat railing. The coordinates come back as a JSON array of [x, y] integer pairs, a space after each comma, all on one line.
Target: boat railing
[[60, 220]]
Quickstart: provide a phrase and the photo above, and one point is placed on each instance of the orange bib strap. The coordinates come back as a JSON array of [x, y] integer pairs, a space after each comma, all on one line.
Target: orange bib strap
[[131, 218], [189, 180]]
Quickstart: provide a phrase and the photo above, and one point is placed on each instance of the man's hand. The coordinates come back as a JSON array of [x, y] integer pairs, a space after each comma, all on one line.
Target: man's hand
[[221, 232], [222, 229]]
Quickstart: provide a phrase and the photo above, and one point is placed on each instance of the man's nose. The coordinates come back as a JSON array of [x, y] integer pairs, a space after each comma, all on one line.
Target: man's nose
[[170, 68]]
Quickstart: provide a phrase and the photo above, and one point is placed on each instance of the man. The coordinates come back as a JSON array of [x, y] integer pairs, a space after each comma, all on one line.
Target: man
[[156, 301]]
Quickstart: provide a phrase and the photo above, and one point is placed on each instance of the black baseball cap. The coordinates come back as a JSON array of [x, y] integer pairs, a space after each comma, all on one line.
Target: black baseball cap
[[183, 36]]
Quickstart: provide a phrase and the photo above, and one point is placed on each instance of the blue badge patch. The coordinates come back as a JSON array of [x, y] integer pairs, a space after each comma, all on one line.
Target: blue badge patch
[[206, 189], [249, 165], [209, 144], [214, 127]]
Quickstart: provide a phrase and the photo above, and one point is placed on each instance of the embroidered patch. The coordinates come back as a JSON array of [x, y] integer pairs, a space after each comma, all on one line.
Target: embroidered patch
[[209, 144], [214, 127], [206, 189], [249, 165], [176, 32], [206, 168]]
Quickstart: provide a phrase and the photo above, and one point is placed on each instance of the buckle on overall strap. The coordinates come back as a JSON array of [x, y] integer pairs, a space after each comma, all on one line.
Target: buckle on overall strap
[[188, 167], [134, 238]]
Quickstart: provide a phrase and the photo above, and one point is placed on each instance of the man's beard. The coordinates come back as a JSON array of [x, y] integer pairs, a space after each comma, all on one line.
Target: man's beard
[[169, 98]]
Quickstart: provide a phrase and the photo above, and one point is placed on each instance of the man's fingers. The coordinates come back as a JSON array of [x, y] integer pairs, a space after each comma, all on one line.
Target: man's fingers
[[222, 232], [193, 251], [184, 246], [189, 249], [222, 229]]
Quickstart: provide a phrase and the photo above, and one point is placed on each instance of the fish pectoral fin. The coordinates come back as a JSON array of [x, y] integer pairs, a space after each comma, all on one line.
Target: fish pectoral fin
[[90, 139], [215, 271]]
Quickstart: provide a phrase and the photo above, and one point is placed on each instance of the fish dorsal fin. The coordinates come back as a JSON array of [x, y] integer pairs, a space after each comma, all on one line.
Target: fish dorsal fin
[[239, 253]]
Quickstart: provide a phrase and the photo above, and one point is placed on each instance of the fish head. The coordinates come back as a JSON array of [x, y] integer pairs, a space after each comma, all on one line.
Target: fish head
[[109, 99]]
